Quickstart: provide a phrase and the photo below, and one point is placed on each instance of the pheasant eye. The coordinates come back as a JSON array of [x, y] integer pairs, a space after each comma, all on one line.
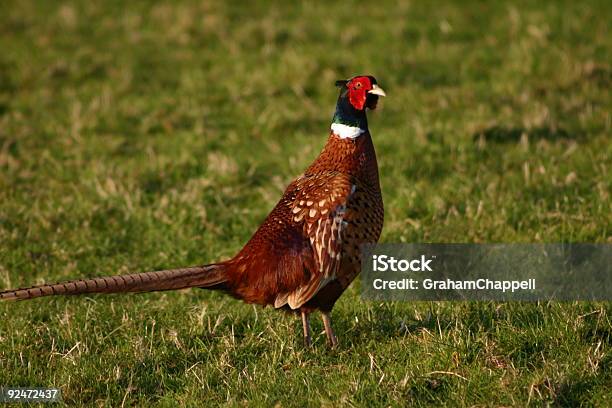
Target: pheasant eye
[[357, 85]]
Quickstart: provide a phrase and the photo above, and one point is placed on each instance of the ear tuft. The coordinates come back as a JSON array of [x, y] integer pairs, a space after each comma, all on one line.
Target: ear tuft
[[341, 82]]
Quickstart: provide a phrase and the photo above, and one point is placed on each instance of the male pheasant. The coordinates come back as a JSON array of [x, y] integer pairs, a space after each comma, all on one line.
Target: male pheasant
[[307, 251]]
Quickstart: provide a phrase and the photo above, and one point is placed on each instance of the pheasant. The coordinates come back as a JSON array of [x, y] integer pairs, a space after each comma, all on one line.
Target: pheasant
[[307, 251]]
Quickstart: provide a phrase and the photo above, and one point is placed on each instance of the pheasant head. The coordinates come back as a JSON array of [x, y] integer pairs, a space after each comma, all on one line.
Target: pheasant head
[[356, 95], [361, 91]]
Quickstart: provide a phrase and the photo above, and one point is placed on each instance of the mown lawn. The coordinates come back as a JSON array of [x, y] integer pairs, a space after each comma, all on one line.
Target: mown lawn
[[138, 136]]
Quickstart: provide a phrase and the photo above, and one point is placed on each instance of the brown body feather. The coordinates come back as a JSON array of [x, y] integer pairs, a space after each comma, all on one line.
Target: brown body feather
[[299, 250]]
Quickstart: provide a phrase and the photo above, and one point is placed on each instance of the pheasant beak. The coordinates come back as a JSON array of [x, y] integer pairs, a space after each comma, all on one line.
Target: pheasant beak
[[377, 90]]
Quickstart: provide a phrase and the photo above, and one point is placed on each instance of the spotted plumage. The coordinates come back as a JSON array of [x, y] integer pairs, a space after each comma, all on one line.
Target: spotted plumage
[[307, 251]]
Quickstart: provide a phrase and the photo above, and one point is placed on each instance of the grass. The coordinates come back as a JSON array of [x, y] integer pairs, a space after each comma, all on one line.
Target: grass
[[141, 136]]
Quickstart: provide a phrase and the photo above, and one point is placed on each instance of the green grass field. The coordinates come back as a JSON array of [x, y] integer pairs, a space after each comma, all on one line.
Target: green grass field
[[144, 136]]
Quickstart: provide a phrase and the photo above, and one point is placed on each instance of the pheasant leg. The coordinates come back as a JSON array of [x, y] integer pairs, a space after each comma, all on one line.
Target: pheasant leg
[[329, 332], [306, 327]]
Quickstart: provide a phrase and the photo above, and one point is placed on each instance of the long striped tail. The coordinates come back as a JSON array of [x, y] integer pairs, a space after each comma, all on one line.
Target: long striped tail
[[171, 279]]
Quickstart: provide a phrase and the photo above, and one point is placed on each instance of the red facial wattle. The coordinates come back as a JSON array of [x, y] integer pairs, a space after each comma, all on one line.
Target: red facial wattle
[[358, 91]]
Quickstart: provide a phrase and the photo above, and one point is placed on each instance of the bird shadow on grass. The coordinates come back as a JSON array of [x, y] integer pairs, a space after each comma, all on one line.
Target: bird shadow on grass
[[384, 324], [503, 134]]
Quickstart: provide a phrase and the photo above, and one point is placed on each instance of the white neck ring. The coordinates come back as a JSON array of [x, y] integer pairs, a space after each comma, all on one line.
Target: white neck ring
[[346, 132]]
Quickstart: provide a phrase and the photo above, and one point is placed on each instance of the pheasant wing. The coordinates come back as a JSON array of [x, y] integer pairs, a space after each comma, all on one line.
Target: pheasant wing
[[319, 207]]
